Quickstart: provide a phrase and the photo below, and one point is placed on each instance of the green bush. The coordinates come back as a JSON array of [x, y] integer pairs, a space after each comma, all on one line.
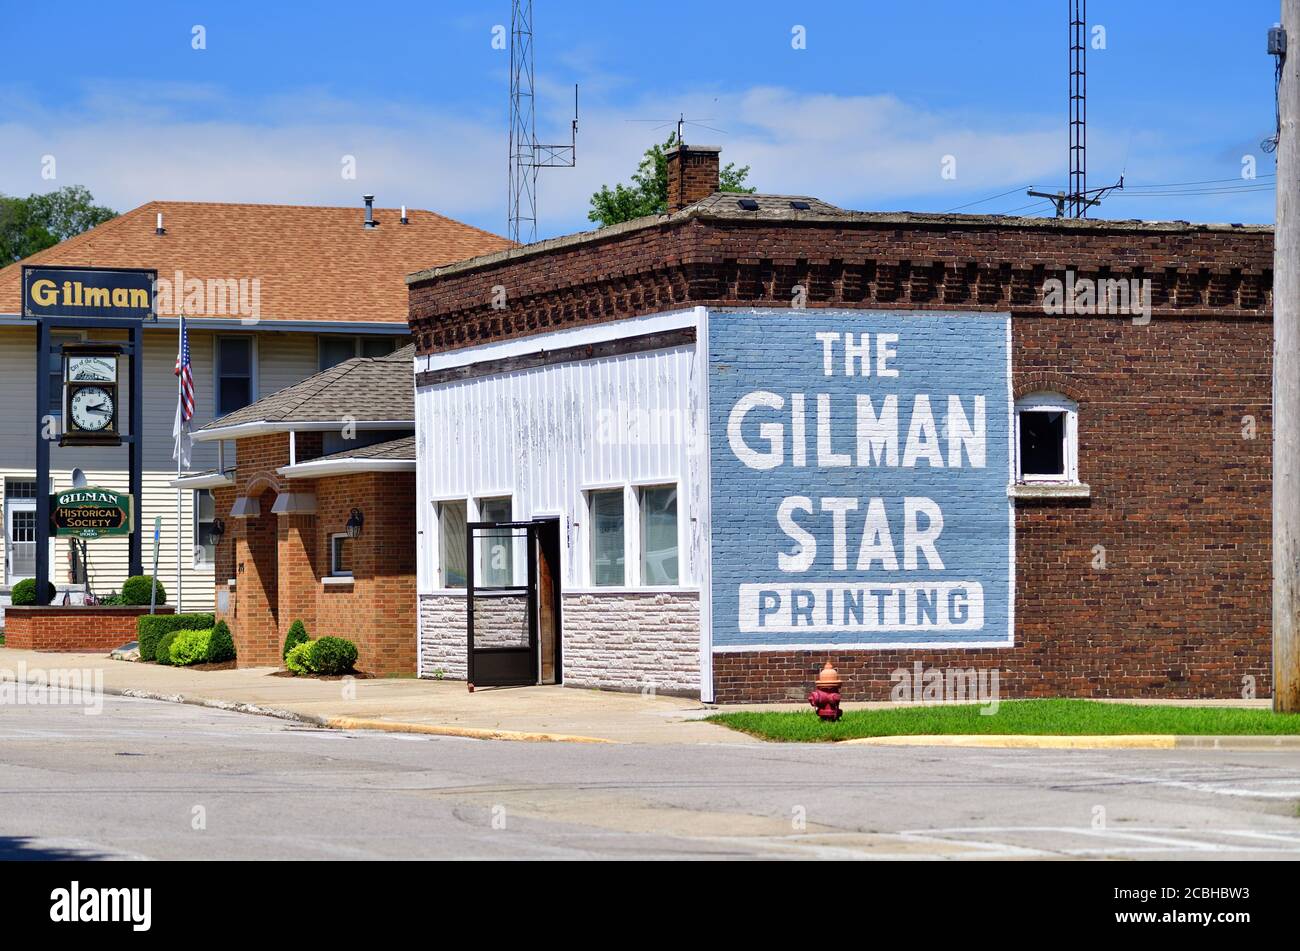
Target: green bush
[[331, 656], [24, 592], [297, 635], [162, 654], [150, 627], [137, 588], [298, 660], [221, 646], [190, 647]]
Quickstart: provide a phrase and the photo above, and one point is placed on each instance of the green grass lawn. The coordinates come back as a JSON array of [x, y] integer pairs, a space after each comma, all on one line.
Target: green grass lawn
[[1034, 717]]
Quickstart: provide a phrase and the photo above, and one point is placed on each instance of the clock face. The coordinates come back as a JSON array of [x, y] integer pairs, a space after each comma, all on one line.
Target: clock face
[[92, 408]]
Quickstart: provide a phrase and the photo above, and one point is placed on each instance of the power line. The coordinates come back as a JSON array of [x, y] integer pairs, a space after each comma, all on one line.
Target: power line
[[971, 204]]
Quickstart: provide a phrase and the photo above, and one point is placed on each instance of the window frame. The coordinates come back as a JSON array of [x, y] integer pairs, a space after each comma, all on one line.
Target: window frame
[[1048, 402], [58, 337], [217, 409], [356, 340], [195, 522], [440, 557], [589, 560], [335, 571], [639, 489]]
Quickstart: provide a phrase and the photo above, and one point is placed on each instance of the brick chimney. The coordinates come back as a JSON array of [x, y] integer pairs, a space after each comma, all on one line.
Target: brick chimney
[[692, 174]]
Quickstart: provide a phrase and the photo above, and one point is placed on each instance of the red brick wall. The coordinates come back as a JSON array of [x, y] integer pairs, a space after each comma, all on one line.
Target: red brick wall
[[279, 561], [692, 175], [1180, 500], [57, 628]]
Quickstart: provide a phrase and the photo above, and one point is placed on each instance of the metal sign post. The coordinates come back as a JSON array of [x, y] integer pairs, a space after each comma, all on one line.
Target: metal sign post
[[153, 584]]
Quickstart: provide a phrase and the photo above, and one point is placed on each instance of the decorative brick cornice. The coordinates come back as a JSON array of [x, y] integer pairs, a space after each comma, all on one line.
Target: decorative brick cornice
[[1193, 273]]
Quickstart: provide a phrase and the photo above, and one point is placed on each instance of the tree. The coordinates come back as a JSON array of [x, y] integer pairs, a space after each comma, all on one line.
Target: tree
[[34, 223], [648, 193]]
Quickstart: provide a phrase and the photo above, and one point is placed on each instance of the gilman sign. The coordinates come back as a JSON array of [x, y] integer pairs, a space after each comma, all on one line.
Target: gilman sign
[[859, 465]]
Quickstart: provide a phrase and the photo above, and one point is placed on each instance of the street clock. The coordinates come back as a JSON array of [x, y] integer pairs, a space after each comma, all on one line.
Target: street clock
[[90, 400]]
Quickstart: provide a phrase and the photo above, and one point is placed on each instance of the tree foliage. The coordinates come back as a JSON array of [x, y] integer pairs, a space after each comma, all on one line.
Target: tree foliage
[[37, 222], [648, 192]]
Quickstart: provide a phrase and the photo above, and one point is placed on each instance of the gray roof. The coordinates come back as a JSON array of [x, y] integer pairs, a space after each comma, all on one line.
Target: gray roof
[[777, 208], [367, 389], [397, 449]]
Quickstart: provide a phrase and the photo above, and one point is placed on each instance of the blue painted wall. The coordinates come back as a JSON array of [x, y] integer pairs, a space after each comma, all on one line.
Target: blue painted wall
[[775, 586]]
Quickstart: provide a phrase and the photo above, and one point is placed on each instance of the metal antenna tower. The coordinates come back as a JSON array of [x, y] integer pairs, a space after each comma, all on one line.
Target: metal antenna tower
[[1078, 109], [527, 155]]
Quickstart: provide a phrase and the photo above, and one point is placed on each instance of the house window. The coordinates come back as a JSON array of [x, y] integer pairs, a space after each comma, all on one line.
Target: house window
[[234, 373], [1047, 439], [341, 556], [205, 513], [451, 544], [658, 509], [496, 546], [607, 534], [335, 350]]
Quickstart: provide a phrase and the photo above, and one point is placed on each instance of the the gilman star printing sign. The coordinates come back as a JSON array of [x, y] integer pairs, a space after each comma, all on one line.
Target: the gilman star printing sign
[[860, 464], [91, 512], [88, 292]]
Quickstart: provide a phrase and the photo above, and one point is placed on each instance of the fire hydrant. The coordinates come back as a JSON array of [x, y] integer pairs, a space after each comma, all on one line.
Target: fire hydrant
[[825, 696]]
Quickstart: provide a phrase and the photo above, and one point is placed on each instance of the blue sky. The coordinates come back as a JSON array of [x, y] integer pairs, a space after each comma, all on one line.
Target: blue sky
[[862, 117]]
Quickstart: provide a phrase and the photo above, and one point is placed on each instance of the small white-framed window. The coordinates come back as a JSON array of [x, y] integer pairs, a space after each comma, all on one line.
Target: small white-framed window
[[452, 560], [660, 562], [607, 556], [205, 514], [1047, 439], [341, 555]]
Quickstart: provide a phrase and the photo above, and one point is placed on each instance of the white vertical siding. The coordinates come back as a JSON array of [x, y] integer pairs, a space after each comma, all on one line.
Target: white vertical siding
[[546, 435]]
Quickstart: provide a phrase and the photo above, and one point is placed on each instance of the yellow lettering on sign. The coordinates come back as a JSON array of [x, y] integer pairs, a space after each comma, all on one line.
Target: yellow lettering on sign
[[44, 292]]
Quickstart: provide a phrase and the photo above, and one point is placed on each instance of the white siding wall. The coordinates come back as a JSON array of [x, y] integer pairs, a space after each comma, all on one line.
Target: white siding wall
[[545, 436], [282, 359]]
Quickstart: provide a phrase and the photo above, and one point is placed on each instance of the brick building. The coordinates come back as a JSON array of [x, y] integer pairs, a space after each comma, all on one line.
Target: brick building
[[768, 432], [321, 526]]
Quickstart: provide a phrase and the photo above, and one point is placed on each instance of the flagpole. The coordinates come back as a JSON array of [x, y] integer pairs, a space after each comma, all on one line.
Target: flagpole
[[180, 398]]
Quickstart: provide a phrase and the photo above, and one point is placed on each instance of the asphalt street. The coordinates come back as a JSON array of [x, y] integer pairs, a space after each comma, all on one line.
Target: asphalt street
[[154, 780]]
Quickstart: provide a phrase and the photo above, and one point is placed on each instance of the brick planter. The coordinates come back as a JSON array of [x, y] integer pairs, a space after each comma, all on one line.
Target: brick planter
[[95, 627]]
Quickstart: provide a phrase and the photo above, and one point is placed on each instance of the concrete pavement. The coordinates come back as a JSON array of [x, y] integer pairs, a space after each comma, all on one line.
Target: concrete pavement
[[438, 706], [153, 780]]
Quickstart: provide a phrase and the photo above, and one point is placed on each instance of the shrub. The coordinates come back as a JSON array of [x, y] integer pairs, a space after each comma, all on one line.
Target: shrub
[[190, 647], [162, 654], [150, 627], [298, 660], [24, 592], [297, 635], [137, 588], [331, 656], [221, 646]]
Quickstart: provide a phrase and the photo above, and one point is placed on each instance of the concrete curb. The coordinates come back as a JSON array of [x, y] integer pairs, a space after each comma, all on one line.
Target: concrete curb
[[1104, 742], [342, 723]]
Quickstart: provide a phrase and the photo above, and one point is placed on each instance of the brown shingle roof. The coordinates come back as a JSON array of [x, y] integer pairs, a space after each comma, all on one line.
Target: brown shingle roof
[[314, 263], [402, 450], [366, 389]]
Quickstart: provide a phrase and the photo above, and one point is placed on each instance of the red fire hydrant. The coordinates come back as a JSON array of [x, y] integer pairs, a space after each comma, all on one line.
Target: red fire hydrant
[[825, 696]]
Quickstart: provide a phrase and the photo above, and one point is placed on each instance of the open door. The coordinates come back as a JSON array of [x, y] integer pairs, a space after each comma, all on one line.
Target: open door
[[513, 603]]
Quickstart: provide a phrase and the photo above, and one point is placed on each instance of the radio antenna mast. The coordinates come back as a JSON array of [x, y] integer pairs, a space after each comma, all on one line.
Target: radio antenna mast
[[527, 155], [1078, 109]]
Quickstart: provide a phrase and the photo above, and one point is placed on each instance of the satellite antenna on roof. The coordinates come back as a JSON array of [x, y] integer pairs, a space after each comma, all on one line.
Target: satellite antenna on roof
[[527, 155]]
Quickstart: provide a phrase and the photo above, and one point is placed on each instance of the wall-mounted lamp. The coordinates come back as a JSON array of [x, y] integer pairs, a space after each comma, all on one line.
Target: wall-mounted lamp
[[216, 530], [355, 521]]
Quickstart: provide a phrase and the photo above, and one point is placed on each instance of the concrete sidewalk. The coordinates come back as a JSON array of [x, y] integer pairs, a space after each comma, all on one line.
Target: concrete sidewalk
[[443, 707]]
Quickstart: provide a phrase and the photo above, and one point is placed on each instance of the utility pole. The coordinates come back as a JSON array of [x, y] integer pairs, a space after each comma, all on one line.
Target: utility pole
[[1286, 374]]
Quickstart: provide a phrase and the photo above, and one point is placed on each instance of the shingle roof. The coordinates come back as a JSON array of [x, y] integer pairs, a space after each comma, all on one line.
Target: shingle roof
[[398, 449], [366, 389], [314, 263]]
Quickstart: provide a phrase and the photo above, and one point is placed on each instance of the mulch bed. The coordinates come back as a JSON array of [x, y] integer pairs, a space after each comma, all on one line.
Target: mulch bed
[[359, 675]]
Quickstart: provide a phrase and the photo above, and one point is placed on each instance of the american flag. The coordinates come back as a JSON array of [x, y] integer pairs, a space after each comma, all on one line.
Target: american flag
[[184, 402], [186, 373]]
